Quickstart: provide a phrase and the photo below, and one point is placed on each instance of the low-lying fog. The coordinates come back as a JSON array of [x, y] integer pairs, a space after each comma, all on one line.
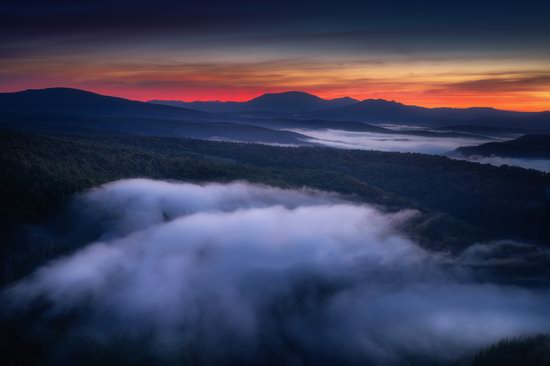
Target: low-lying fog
[[537, 164], [390, 142], [222, 273], [418, 144]]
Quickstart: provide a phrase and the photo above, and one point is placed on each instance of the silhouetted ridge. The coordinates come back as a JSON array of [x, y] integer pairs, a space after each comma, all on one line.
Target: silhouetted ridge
[[74, 111], [526, 147], [384, 111], [80, 102], [286, 102]]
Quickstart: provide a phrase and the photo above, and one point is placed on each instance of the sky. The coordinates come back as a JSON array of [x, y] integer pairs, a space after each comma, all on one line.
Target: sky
[[429, 53]]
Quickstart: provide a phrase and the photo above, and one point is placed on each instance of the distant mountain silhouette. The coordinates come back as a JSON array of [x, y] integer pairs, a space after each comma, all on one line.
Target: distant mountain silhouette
[[374, 110], [300, 105], [80, 102], [295, 101], [73, 111], [285, 110], [287, 102], [526, 147], [383, 111]]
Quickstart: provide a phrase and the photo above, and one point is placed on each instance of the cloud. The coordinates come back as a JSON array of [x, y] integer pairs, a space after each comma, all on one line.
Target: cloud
[[419, 144], [409, 52], [248, 274], [386, 142], [512, 82]]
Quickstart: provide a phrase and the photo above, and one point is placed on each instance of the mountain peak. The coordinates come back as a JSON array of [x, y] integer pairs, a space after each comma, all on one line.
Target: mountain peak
[[345, 99], [296, 102], [380, 101], [289, 95]]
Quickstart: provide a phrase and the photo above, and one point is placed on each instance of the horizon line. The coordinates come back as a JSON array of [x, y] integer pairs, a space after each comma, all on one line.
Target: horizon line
[[149, 100]]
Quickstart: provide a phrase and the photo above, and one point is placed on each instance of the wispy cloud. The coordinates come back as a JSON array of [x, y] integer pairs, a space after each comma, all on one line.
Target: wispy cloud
[[434, 55]]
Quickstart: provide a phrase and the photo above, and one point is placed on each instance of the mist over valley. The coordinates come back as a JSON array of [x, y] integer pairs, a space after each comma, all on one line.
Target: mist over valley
[[290, 183]]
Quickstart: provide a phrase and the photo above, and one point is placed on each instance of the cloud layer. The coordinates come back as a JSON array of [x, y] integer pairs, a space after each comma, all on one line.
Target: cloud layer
[[241, 273], [420, 144], [385, 142], [431, 53]]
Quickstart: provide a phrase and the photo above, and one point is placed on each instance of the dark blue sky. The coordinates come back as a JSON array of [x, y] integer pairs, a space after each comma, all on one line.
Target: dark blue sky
[[416, 51]]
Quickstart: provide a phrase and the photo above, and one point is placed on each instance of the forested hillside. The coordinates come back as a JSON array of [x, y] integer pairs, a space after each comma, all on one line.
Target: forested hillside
[[462, 202], [524, 147]]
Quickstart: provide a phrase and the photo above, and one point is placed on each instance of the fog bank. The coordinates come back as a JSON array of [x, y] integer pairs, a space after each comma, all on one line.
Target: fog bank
[[390, 142], [415, 144], [221, 273]]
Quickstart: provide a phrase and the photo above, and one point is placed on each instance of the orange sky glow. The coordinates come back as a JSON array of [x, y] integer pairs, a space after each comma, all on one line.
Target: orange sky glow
[[521, 86]]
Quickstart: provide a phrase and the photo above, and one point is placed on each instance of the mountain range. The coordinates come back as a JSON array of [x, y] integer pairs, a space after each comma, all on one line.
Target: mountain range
[[524, 147], [261, 119], [383, 111], [287, 102], [300, 105], [74, 111], [81, 102]]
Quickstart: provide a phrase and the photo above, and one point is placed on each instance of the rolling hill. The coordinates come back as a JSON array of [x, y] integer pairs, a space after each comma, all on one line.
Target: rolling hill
[[383, 111], [77, 111], [73, 111], [287, 102], [299, 105], [524, 147], [79, 102]]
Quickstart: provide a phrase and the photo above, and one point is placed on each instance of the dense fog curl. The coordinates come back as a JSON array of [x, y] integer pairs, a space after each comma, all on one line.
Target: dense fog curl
[[243, 273]]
